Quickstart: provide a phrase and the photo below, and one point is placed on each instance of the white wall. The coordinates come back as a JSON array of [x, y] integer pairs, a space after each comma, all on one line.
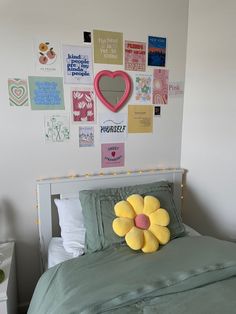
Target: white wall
[[24, 155], [209, 119]]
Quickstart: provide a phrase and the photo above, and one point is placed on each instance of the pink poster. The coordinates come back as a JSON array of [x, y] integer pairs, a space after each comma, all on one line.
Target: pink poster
[[160, 86], [83, 105], [113, 155], [135, 56]]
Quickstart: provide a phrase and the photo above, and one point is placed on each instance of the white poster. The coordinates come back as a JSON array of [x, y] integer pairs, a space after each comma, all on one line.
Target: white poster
[[57, 128], [47, 56], [176, 89], [113, 127], [78, 65]]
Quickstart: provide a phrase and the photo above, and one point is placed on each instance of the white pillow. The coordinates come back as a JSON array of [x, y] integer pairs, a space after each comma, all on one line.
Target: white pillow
[[71, 221]]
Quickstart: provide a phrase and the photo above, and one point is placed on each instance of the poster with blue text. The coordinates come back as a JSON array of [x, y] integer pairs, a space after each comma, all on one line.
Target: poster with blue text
[[113, 127], [78, 68], [46, 93], [156, 51]]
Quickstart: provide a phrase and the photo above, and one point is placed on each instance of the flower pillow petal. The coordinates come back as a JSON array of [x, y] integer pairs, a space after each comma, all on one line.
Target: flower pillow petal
[[143, 223]]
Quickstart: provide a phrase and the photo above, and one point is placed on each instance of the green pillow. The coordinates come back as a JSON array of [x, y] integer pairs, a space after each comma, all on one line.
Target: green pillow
[[98, 211]]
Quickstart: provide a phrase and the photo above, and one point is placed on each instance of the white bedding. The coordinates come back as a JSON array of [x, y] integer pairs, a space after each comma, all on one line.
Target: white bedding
[[57, 254]]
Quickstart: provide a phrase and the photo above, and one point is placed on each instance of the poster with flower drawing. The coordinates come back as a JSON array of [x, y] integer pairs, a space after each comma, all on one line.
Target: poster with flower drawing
[[83, 105], [143, 88], [57, 128], [47, 56]]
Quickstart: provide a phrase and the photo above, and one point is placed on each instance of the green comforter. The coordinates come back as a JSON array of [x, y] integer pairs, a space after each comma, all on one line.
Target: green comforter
[[189, 275]]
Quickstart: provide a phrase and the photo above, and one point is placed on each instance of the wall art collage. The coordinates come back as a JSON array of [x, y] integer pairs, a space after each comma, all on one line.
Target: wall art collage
[[141, 82]]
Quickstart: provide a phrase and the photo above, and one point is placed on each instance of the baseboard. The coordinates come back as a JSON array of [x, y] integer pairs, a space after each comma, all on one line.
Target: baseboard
[[23, 308]]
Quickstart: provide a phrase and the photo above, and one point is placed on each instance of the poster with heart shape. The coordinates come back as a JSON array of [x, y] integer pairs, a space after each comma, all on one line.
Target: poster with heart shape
[[18, 92], [113, 155]]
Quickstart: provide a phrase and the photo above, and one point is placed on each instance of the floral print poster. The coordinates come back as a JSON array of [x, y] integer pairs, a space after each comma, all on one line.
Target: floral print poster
[[143, 88], [83, 105]]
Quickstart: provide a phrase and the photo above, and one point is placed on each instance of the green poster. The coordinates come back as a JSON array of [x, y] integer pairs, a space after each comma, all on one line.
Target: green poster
[[108, 47], [46, 93]]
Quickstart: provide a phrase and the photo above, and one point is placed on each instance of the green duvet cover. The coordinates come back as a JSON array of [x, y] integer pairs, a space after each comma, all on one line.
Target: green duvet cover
[[189, 275]]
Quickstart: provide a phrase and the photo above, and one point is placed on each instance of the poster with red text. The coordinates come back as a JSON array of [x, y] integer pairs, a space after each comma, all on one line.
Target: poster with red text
[[160, 86], [83, 105], [135, 56], [113, 155]]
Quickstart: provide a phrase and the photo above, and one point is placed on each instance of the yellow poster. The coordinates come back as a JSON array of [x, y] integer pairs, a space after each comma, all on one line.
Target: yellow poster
[[140, 118], [108, 47]]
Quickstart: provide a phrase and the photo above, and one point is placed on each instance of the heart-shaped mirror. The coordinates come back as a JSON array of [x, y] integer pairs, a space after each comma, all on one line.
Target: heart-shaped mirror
[[112, 88]]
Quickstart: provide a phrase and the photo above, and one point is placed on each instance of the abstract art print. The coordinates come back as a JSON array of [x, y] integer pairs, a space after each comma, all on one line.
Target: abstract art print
[[160, 86], [156, 51], [18, 92]]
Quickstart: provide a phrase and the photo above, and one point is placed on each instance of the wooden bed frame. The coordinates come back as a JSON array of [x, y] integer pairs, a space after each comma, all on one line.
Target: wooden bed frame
[[49, 189]]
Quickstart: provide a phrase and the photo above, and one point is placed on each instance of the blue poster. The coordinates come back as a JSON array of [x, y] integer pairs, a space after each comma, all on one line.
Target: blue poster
[[46, 93], [156, 51]]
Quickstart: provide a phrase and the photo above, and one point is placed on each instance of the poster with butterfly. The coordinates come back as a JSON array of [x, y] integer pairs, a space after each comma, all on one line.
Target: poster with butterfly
[[18, 92]]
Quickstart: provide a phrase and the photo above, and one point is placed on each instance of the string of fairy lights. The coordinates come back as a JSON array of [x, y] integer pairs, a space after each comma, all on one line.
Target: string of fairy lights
[[100, 174]]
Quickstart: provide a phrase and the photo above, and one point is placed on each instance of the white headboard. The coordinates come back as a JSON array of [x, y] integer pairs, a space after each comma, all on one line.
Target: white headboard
[[49, 188]]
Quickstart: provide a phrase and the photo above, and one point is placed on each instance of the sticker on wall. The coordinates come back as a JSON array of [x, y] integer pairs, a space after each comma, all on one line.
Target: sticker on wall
[[160, 86], [18, 92], [113, 127], [156, 51], [176, 89], [46, 93], [143, 88], [47, 56], [113, 155], [57, 128], [78, 67], [140, 118], [86, 136], [135, 56], [83, 105], [157, 111], [108, 47]]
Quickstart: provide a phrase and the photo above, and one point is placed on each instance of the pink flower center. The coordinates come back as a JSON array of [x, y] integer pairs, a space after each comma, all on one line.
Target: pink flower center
[[142, 221]]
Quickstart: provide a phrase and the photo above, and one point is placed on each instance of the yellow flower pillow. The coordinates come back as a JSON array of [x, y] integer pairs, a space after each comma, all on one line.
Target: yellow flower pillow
[[143, 223]]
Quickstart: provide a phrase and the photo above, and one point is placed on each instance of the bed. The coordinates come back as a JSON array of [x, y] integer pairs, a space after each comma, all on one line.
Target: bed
[[99, 273]]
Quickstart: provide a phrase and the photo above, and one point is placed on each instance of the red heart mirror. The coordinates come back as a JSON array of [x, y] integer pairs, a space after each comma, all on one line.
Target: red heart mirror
[[112, 88]]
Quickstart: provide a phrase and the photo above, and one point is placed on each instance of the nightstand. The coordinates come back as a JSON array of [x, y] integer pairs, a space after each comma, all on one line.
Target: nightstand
[[8, 295]]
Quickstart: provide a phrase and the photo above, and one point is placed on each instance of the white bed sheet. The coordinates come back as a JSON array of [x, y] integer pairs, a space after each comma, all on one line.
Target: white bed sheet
[[57, 254]]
